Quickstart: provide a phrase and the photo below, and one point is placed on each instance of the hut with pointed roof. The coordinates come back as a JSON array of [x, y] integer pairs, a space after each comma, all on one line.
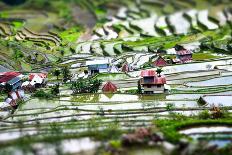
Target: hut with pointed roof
[[126, 68], [159, 62], [109, 87], [152, 83]]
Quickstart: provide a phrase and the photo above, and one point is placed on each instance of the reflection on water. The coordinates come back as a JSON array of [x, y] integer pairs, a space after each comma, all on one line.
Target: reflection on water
[[117, 98]]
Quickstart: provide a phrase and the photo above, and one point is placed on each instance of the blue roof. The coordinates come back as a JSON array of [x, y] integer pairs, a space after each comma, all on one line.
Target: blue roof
[[102, 66], [14, 80]]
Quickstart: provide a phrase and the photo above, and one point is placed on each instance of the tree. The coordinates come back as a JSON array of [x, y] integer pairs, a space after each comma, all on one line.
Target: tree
[[57, 73], [55, 90], [66, 74], [62, 52], [86, 86], [18, 54], [159, 71], [72, 50], [86, 72], [139, 91]]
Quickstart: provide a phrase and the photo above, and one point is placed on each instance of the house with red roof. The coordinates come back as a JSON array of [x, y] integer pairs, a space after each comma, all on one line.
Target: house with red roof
[[37, 79], [126, 67], [109, 87], [10, 80], [151, 83], [183, 56], [159, 62]]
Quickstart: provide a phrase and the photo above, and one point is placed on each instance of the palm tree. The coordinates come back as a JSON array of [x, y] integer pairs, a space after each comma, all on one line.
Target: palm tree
[[56, 73], [159, 71]]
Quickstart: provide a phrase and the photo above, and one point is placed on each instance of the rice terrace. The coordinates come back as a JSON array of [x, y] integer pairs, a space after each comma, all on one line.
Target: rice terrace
[[115, 77]]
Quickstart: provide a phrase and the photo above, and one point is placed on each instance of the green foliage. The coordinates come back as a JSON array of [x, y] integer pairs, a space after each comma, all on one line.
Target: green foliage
[[66, 74], [18, 54], [205, 114], [170, 106], [55, 90], [86, 86], [159, 71], [116, 144], [42, 94], [139, 91], [56, 73]]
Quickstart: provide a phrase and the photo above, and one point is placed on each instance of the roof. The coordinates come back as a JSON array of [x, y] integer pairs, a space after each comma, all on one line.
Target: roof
[[114, 69], [98, 62], [109, 87], [183, 52], [159, 80], [159, 61], [36, 80], [41, 75], [125, 68], [147, 73], [7, 76], [14, 80]]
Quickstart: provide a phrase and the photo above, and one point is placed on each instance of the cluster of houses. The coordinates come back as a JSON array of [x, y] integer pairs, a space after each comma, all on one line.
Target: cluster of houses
[[150, 82], [12, 83], [106, 66]]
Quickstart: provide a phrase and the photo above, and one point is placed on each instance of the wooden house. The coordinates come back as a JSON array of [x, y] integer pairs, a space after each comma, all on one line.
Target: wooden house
[[183, 56], [159, 62], [151, 83]]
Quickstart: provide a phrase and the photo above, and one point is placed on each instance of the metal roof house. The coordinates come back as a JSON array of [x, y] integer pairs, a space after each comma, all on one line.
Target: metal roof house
[[152, 83], [15, 83], [10, 80], [98, 66], [183, 56]]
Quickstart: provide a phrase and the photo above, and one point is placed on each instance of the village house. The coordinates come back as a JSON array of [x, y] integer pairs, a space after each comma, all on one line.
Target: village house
[[101, 66], [10, 81], [98, 66], [159, 61], [126, 68], [152, 83], [14, 97], [109, 87], [182, 55]]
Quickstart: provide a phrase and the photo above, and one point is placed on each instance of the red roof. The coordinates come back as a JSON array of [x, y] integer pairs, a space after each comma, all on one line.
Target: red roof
[[160, 62], [146, 73], [159, 80], [125, 68], [7, 76], [109, 87], [42, 75], [183, 52]]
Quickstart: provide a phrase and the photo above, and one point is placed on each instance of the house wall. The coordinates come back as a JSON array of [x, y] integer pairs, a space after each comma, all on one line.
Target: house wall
[[17, 85], [98, 68], [153, 89], [181, 57]]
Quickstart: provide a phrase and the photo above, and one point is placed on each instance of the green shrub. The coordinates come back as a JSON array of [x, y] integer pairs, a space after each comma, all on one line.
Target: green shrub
[[42, 94], [204, 114]]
